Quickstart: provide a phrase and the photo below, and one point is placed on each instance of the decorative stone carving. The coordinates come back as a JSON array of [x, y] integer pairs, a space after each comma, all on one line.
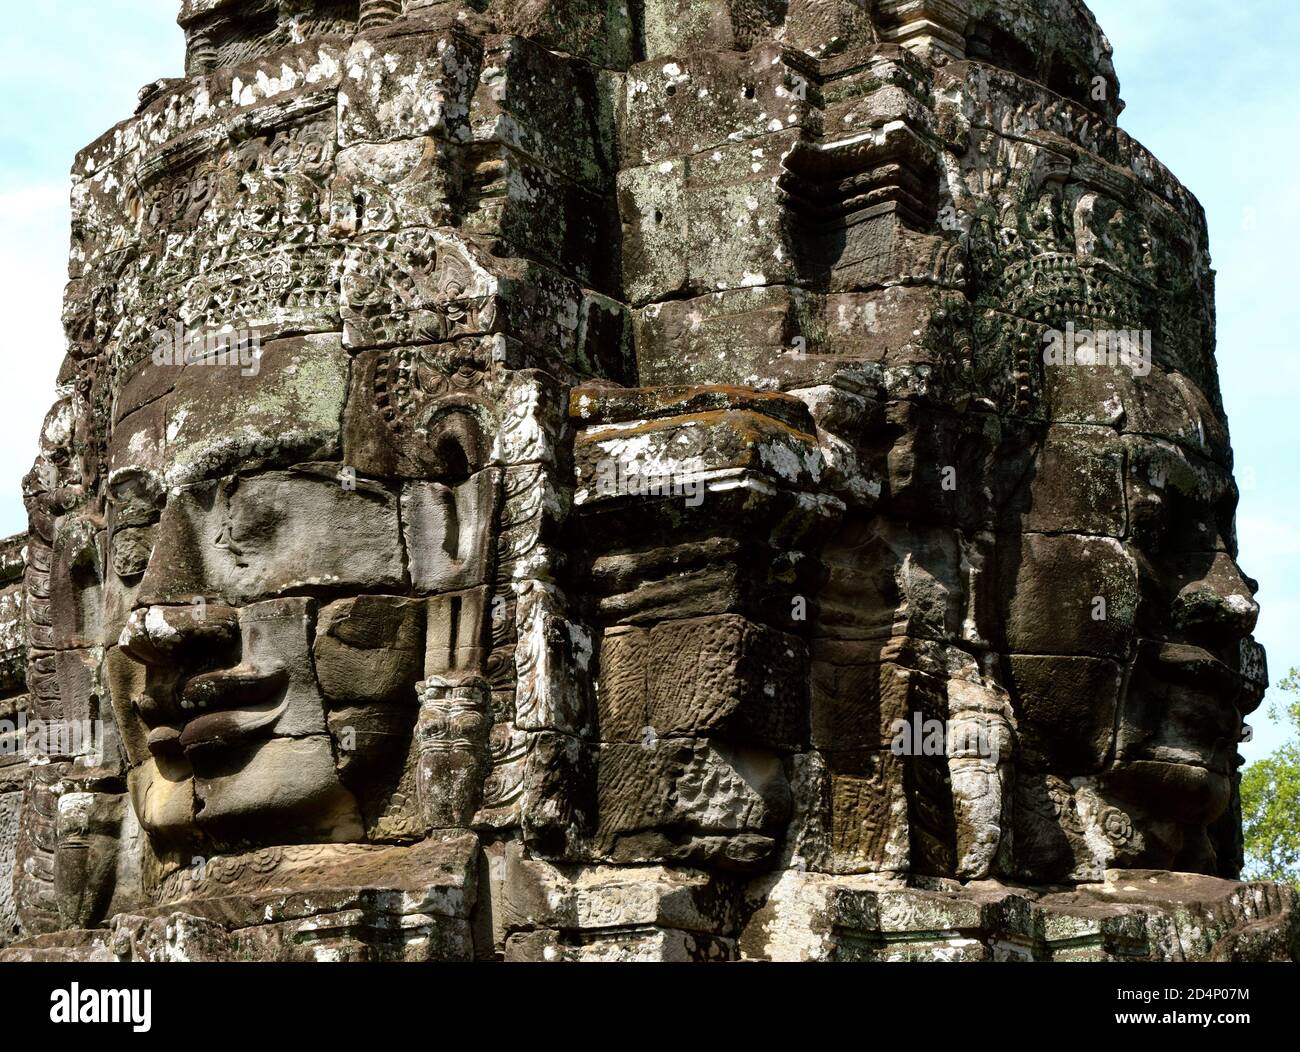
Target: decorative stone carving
[[451, 734], [693, 480]]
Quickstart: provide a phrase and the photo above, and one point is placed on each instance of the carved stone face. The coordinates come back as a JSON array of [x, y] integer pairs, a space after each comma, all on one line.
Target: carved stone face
[[1010, 522], [265, 672], [1197, 672], [1147, 668], [269, 692], [1157, 617]]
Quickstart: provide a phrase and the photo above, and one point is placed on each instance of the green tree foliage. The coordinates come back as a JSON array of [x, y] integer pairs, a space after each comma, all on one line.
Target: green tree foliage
[[1270, 800]]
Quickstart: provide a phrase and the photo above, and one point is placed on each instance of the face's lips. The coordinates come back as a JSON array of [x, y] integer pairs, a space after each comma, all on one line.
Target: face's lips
[[1197, 668], [233, 704], [1187, 792], [230, 688], [1200, 694], [230, 727], [163, 740]]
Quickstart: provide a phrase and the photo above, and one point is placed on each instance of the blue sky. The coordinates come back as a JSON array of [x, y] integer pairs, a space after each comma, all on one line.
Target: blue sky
[[1208, 87], [69, 70], [1209, 91]]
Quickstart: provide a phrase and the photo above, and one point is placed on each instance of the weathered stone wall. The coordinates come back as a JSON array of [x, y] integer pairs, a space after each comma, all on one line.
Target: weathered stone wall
[[572, 480], [13, 708], [9, 803]]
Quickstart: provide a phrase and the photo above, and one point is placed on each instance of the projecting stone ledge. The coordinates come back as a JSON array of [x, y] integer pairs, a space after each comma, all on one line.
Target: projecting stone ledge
[[316, 902], [1133, 916], [423, 903]]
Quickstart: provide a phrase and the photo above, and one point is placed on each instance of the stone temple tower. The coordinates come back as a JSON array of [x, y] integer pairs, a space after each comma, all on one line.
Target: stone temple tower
[[686, 479]]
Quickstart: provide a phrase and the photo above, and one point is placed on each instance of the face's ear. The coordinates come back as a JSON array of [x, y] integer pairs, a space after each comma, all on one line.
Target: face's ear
[[460, 448], [88, 828], [68, 842]]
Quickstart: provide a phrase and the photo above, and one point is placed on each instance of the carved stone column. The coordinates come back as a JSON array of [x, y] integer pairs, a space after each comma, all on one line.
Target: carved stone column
[[928, 27], [379, 13]]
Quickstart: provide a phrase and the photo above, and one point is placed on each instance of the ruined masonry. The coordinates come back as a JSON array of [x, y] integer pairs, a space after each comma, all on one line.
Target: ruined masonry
[[693, 480]]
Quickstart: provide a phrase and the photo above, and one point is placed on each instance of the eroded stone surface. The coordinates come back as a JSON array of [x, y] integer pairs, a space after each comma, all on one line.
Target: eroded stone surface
[[580, 481]]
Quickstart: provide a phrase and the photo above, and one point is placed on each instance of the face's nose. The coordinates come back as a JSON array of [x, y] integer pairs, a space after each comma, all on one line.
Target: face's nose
[[168, 636], [1218, 604]]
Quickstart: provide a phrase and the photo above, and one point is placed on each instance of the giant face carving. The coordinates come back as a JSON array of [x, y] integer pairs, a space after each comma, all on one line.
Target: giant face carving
[[266, 594], [1134, 430], [625, 460], [265, 674]]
